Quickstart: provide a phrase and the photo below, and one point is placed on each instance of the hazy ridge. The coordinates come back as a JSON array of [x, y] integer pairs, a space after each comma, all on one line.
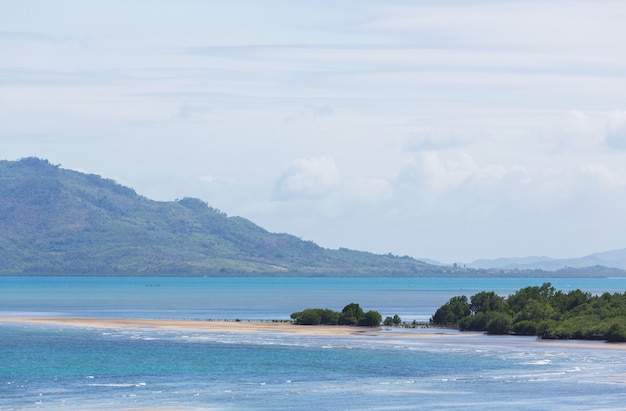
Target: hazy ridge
[[613, 258]]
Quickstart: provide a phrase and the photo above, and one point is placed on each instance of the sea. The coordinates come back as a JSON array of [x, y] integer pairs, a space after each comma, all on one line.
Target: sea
[[60, 367]]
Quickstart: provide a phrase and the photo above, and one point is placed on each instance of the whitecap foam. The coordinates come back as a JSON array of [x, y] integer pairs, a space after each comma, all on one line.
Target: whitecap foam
[[538, 362]]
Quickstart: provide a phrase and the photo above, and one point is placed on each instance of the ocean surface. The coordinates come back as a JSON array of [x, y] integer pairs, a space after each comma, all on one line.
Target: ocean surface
[[54, 367]]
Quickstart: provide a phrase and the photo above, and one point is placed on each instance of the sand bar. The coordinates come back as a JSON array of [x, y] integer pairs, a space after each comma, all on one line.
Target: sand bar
[[283, 327], [197, 325]]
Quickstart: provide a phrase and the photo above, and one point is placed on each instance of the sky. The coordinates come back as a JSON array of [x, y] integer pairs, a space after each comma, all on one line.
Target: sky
[[449, 130]]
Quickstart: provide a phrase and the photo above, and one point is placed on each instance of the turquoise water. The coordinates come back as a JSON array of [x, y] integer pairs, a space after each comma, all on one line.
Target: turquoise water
[[253, 298], [46, 367]]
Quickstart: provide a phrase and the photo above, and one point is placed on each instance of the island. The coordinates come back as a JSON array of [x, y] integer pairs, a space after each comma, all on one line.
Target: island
[[539, 310]]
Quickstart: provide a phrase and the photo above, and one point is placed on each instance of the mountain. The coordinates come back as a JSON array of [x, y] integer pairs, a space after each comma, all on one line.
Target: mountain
[[614, 259], [58, 221], [55, 221]]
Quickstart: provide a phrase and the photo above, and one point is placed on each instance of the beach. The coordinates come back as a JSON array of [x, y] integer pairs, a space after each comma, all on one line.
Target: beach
[[217, 326], [208, 326]]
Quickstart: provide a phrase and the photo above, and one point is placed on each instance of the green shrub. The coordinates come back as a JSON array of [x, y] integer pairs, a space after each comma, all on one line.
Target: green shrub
[[616, 332], [370, 319], [540, 311], [525, 327], [498, 323], [352, 314]]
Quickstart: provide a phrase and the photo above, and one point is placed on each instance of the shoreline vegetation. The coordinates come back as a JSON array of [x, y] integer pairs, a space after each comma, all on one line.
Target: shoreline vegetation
[[352, 314], [540, 311]]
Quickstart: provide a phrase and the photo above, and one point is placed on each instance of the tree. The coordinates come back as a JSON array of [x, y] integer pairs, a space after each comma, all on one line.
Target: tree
[[617, 332], [525, 327], [391, 321], [534, 310], [522, 297], [487, 301], [452, 311], [370, 319], [541, 311], [329, 317], [566, 302], [310, 316], [351, 314], [499, 323], [476, 322], [315, 316]]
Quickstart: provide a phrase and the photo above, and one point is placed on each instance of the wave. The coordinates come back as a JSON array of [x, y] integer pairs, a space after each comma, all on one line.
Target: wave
[[118, 385]]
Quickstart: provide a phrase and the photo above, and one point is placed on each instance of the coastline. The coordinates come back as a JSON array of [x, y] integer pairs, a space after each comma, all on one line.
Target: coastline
[[221, 326], [199, 325]]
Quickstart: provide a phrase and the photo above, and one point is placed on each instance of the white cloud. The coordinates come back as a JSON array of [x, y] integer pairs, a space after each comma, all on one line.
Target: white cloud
[[308, 178], [570, 132], [605, 175], [616, 130], [428, 169]]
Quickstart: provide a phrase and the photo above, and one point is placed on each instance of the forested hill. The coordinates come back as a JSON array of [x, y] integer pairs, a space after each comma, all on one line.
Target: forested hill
[[58, 221], [55, 221]]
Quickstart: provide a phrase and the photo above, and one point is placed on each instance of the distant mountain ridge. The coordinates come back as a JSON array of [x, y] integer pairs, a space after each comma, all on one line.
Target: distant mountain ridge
[[613, 258], [55, 221]]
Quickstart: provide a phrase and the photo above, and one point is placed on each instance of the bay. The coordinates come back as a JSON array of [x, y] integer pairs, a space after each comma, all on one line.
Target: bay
[[254, 298], [58, 367]]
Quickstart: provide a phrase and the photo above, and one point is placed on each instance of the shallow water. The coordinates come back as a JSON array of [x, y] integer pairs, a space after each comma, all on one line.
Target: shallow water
[[253, 298], [56, 367]]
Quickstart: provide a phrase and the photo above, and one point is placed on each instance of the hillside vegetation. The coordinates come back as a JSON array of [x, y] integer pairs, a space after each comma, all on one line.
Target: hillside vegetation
[[58, 221], [55, 221]]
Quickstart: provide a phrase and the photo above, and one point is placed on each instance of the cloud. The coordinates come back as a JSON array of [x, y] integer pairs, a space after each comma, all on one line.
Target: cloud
[[368, 190], [433, 140], [460, 128], [32, 36], [308, 178], [454, 185], [188, 111], [570, 132], [429, 170], [311, 112], [590, 26], [616, 130], [609, 177]]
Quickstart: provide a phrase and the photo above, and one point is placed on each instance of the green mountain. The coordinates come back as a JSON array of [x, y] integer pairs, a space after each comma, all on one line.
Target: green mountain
[[55, 221], [58, 221]]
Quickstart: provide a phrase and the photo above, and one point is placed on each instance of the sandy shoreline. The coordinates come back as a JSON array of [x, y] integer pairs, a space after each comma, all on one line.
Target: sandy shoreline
[[197, 325], [281, 327]]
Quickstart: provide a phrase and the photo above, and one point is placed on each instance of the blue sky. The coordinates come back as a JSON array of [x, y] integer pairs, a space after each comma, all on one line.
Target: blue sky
[[453, 130]]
